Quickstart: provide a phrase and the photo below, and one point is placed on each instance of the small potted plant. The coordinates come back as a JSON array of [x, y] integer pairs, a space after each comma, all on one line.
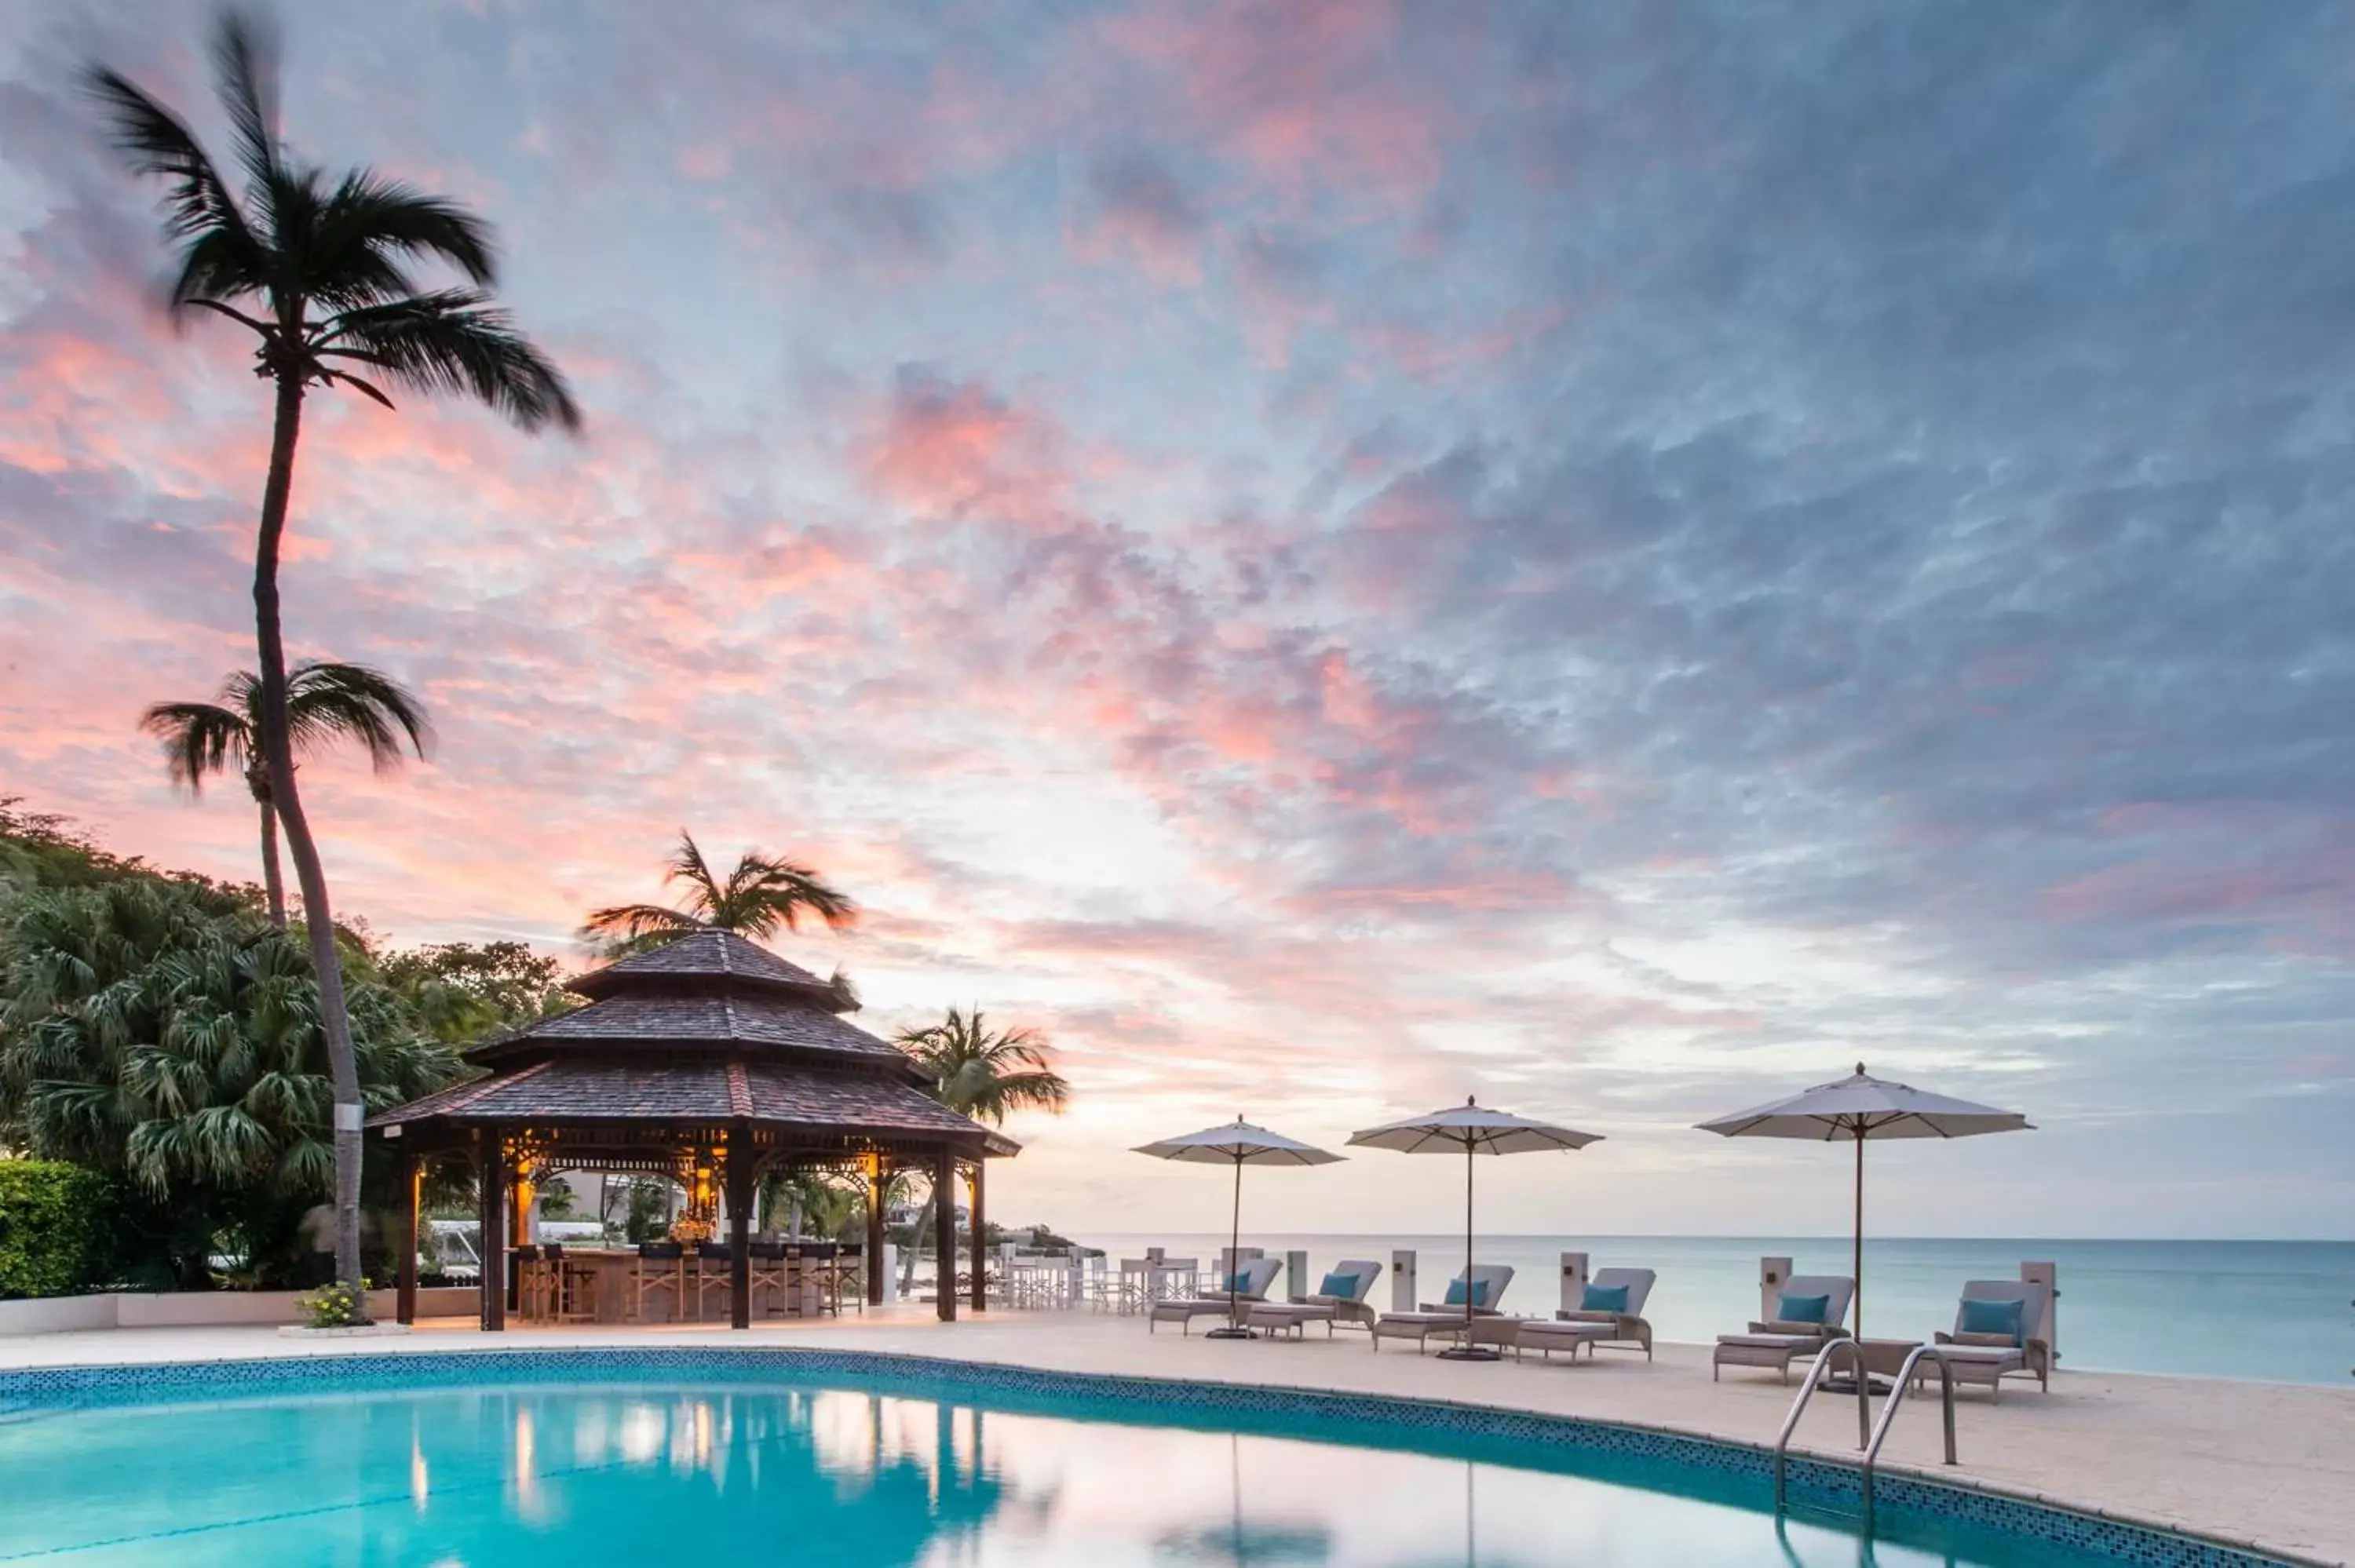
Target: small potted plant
[[341, 1306]]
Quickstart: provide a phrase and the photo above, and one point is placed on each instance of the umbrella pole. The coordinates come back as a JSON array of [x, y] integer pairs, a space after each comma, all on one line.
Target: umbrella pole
[[1468, 1243], [1235, 1249], [1855, 1244], [1234, 1329]]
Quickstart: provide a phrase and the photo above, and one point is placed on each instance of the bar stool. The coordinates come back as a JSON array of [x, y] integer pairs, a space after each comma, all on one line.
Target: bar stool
[[766, 1261], [824, 1259], [572, 1285], [714, 1270], [528, 1283], [659, 1266], [850, 1273]]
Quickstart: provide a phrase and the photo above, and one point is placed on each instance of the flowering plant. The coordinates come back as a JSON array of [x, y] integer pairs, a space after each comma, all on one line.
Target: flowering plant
[[342, 1304], [688, 1231]]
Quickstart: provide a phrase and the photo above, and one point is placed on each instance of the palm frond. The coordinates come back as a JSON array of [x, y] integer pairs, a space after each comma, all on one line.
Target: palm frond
[[245, 74], [200, 739], [455, 340], [198, 204], [626, 928], [327, 702], [687, 864], [368, 223]]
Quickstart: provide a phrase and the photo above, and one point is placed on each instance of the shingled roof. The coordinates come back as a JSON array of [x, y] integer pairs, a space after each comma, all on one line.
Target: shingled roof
[[707, 1029], [720, 959]]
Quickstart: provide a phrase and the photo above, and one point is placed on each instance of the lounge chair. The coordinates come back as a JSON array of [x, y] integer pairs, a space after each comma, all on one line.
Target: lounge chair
[[1985, 1354], [1620, 1324], [1444, 1320], [1251, 1286], [1776, 1342], [1329, 1308]]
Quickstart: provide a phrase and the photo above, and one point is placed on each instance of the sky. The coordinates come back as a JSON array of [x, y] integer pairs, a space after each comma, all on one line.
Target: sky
[[1329, 555]]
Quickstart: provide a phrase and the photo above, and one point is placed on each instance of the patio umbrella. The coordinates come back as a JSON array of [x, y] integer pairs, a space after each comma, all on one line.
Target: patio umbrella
[[1861, 1106], [1238, 1143], [1476, 1130]]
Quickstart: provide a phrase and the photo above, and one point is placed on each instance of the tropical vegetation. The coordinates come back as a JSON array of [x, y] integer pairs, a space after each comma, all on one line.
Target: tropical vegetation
[[325, 703], [322, 273], [762, 895], [985, 1073], [157, 1033]]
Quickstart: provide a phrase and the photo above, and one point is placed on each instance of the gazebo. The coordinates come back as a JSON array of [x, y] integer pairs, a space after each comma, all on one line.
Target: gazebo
[[708, 1061]]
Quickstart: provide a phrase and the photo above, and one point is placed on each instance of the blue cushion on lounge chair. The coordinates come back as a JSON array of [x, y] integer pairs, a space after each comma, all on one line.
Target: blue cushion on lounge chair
[[1802, 1309], [1603, 1298], [1994, 1317], [1456, 1293], [1342, 1285]]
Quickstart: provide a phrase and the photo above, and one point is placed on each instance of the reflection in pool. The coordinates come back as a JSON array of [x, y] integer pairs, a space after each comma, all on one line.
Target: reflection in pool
[[621, 1474]]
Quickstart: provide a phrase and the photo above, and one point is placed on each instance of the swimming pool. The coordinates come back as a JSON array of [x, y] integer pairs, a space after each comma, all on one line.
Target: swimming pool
[[708, 1456]]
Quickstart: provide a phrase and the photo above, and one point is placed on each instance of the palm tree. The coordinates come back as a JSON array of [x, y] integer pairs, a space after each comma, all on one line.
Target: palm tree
[[325, 703], [320, 272], [763, 893], [986, 1074]]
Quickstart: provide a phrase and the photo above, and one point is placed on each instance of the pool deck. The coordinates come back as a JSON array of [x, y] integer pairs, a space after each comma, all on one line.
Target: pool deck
[[2267, 1466]]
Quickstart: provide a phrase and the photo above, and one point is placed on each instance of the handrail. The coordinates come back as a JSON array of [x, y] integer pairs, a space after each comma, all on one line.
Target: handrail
[[1897, 1392], [1816, 1368], [1869, 1437]]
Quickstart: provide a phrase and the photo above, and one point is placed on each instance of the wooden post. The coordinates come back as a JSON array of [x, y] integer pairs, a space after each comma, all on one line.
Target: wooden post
[[491, 1180], [738, 1177], [944, 1177], [980, 1243], [878, 1235], [409, 1172]]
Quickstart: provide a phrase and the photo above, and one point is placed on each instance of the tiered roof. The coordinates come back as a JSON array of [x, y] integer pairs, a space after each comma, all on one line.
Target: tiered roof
[[704, 1030]]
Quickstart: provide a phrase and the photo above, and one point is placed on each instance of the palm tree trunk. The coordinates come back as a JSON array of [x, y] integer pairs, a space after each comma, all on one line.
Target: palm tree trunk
[[343, 1066], [273, 878]]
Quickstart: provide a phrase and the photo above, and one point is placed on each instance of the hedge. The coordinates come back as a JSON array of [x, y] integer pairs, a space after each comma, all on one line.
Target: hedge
[[55, 1220]]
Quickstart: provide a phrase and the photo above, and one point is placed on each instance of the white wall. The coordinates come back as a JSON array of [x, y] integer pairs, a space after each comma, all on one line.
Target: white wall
[[181, 1310]]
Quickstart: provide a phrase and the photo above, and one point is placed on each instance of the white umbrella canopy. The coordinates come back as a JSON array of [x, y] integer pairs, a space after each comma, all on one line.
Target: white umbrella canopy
[[1471, 1129], [1861, 1106], [1237, 1143]]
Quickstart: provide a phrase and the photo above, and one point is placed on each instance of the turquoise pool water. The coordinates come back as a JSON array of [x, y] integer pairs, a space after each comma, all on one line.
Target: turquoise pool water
[[602, 1464]]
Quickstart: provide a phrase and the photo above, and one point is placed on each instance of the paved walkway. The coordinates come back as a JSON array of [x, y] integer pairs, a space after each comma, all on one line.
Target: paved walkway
[[2268, 1465]]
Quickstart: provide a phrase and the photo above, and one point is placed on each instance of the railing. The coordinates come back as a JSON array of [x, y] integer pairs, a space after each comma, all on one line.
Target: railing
[[1869, 1437]]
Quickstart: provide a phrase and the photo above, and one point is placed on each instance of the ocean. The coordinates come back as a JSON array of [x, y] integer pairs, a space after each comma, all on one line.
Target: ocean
[[2275, 1311]]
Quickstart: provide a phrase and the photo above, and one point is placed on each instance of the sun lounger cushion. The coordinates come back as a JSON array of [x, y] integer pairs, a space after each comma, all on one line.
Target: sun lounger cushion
[[1982, 1341], [1991, 1318], [1787, 1328], [1603, 1298], [1770, 1341], [1982, 1354], [1802, 1309], [1338, 1284]]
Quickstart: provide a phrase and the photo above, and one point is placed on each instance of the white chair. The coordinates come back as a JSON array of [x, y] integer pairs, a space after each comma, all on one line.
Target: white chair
[[1328, 1307], [1485, 1284], [1622, 1327], [1984, 1356], [1250, 1288], [1775, 1343]]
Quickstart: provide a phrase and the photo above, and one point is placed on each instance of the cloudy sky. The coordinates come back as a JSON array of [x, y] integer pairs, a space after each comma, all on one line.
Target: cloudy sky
[[1332, 556]]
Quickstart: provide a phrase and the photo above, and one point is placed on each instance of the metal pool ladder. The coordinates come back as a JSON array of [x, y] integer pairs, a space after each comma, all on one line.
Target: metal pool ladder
[[1869, 1437]]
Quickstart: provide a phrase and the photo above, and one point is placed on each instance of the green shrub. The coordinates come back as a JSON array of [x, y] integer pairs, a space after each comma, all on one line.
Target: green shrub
[[55, 1220]]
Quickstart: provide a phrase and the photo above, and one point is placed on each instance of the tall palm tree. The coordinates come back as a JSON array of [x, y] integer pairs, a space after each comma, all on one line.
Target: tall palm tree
[[762, 894], [325, 703], [985, 1073], [320, 272]]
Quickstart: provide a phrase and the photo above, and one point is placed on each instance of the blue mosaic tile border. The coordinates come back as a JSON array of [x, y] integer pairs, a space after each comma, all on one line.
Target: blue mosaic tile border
[[1733, 1471]]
